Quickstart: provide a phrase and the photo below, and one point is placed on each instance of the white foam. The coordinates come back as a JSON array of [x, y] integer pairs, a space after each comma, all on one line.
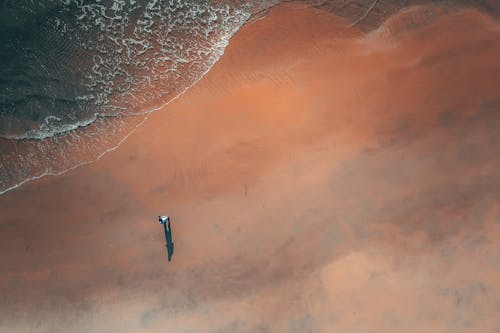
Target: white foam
[[49, 129], [49, 173], [180, 55]]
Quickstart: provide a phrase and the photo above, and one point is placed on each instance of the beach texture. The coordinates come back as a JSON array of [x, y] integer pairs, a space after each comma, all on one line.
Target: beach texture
[[321, 177]]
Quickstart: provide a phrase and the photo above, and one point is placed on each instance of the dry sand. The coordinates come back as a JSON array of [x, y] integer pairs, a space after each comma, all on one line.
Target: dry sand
[[319, 179]]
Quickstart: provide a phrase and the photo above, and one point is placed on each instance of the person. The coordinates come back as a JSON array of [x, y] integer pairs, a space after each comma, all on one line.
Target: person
[[165, 220]]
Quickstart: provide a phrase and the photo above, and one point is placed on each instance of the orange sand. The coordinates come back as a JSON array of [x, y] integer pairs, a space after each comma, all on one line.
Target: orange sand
[[319, 179]]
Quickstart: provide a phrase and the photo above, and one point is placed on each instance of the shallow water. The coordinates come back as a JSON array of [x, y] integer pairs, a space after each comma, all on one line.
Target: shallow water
[[65, 63], [68, 64], [78, 76]]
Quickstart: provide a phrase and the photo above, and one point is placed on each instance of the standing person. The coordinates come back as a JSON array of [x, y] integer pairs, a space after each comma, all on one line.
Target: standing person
[[165, 220]]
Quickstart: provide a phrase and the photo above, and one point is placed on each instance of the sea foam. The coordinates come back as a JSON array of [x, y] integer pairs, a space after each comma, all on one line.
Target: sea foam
[[92, 71]]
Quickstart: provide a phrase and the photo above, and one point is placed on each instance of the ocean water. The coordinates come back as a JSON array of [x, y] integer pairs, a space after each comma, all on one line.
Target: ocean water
[[67, 62], [77, 76]]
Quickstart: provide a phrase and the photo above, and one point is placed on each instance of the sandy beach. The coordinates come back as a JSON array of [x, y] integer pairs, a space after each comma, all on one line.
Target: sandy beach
[[320, 178]]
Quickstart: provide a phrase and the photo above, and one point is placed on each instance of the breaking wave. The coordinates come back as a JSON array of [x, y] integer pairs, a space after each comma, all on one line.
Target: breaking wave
[[67, 62], [102, 65]]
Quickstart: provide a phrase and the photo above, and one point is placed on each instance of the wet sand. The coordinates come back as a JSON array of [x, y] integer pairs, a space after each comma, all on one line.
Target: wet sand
[[319, 179]]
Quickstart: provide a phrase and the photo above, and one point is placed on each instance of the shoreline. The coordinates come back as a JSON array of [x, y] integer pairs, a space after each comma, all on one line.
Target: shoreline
[[82, 127], [316, 172], [256, 16]]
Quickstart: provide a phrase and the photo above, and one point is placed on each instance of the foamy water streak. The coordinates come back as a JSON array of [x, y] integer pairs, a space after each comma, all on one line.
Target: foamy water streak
[[27, 160], [91, 69], [76, 60]]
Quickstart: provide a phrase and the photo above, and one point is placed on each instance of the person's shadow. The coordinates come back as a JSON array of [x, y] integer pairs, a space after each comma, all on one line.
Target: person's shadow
[[168, 237]]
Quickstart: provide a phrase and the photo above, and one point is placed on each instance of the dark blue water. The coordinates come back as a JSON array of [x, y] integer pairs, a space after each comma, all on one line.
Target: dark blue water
[[66, 64]]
